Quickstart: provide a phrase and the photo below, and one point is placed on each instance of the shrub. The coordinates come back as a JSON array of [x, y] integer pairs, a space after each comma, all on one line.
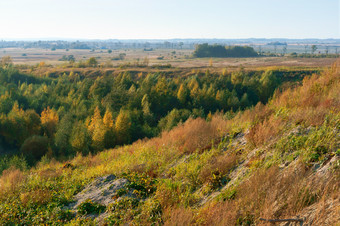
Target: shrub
[[18, 162], [123, 211], [168, 193], [192, 135], [142, 184], [263, 132], [151, 213], [89, 207], [38, 197], [35, 146], [215, 171]]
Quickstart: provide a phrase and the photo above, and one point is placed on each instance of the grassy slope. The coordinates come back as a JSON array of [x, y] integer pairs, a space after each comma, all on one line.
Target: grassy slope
[[273, 161]]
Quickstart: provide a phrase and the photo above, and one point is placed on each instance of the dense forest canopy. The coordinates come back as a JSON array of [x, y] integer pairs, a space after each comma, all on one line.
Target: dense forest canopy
[[70, 113], [206, 50]]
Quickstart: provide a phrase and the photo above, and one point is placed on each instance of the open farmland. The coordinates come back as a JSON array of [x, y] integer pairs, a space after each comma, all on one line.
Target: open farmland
[[177, 58]]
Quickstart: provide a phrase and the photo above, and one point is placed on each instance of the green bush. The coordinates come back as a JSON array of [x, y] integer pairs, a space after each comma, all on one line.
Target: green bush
[[123, 210], [35, 146], [89, 207], [16, 161], [142, 184]]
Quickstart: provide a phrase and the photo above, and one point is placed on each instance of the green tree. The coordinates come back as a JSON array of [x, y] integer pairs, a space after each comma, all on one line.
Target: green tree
[[146, 106], [122, 56], [183, 94], [269, 82], [63, 134], [98, 136], [80, 138], [314, 48], [32, 122], [284, 50], [6, 61], [244, 102], [123, 127], [173, 118], [35, 147], [237, 77], [92, 62]]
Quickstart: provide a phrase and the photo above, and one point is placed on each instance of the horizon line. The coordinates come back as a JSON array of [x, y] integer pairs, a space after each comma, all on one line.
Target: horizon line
[[156, 39]]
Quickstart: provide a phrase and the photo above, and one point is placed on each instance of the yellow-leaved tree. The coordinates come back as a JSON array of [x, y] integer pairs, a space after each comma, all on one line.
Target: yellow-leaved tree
[[109, 136], [183, 94], [108, 119], [97, 130], [49, 121]]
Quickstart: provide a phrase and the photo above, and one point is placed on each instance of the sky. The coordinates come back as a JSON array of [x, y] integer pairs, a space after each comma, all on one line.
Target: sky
[[167, 19]]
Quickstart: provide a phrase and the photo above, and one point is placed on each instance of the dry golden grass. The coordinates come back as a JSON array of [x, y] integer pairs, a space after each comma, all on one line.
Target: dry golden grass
[[263, 132], [220, 165], [275, 194], [308, 104], [318, 90], [220, 213], [192, 135], [177, 216], [168, 197], [10, 180], [39, 197]]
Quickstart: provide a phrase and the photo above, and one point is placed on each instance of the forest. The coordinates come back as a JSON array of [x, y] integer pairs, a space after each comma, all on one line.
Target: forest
[[66, 114], [206, 50]]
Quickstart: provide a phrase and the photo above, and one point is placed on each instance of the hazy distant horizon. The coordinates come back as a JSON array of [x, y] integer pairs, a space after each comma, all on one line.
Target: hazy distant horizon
[[166, 39]]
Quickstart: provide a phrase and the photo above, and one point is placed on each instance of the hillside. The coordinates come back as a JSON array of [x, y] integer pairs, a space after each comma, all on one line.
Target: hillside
[[59, 112], [274, 161]]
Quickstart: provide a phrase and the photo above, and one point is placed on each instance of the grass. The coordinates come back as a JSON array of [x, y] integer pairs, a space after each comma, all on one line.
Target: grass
[[288, 139]]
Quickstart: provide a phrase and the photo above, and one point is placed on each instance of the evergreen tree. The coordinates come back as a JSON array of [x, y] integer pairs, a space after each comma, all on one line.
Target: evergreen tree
[[183, 94], [80, 138], [63, 135], [123, 127]]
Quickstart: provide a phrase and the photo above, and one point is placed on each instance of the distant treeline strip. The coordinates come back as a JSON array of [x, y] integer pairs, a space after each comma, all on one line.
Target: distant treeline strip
[[205, 50]]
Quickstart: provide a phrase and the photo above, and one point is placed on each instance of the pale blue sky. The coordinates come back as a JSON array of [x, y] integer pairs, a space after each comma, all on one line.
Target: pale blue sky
[[165, 19]]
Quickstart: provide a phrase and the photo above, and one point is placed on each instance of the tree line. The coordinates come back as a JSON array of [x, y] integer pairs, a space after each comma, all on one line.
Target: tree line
[[206, 50]]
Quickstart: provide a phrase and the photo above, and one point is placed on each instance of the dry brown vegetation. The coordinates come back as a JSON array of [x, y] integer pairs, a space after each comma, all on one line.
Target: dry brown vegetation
[[178, 216], [186, 160], [217, 167], [273, 193], [192, 135], [308, 104], [39, 197], [270, 194], [10, 180]]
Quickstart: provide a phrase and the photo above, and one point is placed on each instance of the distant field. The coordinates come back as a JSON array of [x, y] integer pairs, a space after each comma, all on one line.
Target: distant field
[[177, 58]]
